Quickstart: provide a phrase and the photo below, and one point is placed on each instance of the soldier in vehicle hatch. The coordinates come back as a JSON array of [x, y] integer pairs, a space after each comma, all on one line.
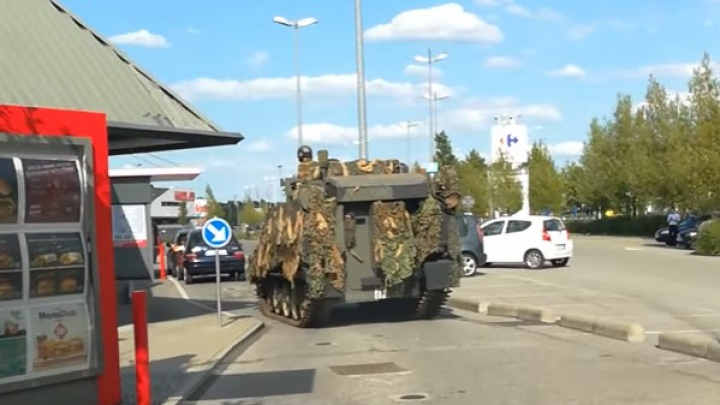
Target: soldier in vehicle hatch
[[306, 166]]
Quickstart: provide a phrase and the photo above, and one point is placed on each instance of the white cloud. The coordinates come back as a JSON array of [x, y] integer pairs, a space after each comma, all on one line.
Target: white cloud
[[568, 71], [501, 62], [581, 31], [488, 3], [449, 22], [284, 87], [261, 145], [478, 114], [142, 38], [422, 71], [680, 70], [258, 59], [571, 148], [332, 134]]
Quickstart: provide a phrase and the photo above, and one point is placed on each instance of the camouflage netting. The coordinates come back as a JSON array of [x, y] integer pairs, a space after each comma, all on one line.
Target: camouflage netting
[[376, 166], [280, 243], [446, 187], [394, 243], [427, 222], [324, 257]]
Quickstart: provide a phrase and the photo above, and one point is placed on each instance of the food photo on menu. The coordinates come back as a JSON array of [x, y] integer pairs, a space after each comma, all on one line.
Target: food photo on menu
[[53, 192], [8, 192], [10, 268], [61, 336], [13, 343], [57, 264]]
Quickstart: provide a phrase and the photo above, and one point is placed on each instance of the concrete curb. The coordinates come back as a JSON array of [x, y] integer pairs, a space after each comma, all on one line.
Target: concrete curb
[[201, 373], [502, 309], [536, 314], [629, 332], [525, 313], [690, 344], [466, 304]]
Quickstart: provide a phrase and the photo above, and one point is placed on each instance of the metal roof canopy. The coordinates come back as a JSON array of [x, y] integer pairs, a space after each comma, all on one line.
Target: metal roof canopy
[[158, 174], [55, 60]]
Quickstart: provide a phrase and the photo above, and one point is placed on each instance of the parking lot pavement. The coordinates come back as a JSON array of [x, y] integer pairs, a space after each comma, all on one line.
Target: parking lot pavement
[[630, 279], [454, 361]]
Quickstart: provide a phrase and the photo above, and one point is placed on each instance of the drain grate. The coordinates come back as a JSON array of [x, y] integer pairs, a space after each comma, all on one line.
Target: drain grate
[[415, 396], [367, 369], [324, 344]]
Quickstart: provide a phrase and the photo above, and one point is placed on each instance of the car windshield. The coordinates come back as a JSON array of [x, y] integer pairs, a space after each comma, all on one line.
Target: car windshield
[[195, 239]]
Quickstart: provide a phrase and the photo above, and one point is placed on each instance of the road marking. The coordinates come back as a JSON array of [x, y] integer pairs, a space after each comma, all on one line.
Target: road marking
[[125, 328], [706, 331], [586, 290], [634, 249], [183, 293]]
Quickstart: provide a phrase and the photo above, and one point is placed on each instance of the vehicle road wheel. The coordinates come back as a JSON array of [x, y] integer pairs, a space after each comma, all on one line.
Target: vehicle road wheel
[[560, 262], [470, 265], [187, 277], [534, 259]]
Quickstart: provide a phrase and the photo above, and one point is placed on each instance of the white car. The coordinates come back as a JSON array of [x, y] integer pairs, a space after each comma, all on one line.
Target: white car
[[528, 239]]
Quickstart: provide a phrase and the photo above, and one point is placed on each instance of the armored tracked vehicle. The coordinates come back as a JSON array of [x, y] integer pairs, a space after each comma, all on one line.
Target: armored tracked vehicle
[[356, 232]]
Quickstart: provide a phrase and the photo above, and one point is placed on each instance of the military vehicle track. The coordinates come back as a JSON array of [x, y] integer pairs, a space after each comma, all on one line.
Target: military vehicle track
[[280, 302]]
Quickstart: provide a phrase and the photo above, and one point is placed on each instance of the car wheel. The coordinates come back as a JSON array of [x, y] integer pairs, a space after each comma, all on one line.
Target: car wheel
[[239, 276], [560, 262], [187, 277], [534, 259], [470, 265]]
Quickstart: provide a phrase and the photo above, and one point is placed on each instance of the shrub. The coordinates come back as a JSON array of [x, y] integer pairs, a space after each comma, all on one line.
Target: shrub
[[708, 242], [645, 226]]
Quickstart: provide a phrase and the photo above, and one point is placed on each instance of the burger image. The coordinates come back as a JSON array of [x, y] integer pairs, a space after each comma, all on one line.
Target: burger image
[[7, 202]]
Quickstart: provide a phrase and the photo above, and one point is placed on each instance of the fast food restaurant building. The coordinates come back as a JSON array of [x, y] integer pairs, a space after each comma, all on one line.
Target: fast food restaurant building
[[58, 303]]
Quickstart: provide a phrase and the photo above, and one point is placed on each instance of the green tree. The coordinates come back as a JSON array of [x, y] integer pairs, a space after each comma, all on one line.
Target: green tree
[[214, 208], [443, 150], [573, 177], [416, 168], [473, 179], [505, 189], [546, 185], [250, 215], [183, 213]]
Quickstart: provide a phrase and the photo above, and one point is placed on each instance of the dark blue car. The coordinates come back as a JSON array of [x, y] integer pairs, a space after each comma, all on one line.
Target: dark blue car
[[199, 259], [471, 244]]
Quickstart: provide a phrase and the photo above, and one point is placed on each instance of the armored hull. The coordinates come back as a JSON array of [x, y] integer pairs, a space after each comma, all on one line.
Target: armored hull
[[358, 232]]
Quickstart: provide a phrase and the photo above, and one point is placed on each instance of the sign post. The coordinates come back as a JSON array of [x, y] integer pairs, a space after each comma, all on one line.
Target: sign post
[[216, 234]]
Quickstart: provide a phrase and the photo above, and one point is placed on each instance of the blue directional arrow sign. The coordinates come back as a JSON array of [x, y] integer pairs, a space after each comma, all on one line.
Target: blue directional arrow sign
[[511, 140], [216, 233]]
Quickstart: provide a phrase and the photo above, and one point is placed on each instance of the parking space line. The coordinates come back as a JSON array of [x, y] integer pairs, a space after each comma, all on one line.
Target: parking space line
[[183, 293], [586, 290]]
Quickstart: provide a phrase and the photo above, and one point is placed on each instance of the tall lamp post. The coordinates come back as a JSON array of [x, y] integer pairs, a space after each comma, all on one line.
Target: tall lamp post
[[430, 60], [434, 99], [296, 25], [409, 125], [360, 67]]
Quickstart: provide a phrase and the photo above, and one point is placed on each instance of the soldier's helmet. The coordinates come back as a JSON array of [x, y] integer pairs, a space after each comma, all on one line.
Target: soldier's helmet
[[304, 153]]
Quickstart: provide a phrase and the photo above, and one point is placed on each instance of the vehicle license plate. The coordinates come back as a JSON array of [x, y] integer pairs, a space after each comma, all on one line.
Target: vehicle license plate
[[221, 252], [560, 247], [380, 294]]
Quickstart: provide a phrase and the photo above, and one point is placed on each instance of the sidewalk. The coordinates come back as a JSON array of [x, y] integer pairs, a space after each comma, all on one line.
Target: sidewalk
[[183, 351]]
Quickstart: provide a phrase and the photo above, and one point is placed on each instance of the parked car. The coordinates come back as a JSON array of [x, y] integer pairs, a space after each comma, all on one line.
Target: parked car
[[688, 237], [471, 244], [661, 235], [531, 240], [199, 259]]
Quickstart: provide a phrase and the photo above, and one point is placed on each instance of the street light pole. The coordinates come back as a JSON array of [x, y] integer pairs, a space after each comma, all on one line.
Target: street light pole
[[431, 60], [296, 25], [360, 67], [435, 98], [408, 126]]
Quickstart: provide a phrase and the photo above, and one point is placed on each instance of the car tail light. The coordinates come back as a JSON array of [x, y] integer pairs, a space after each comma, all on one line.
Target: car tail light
[[479, 233], [546, 236], [238, 254], [567, 234], [191, 256]]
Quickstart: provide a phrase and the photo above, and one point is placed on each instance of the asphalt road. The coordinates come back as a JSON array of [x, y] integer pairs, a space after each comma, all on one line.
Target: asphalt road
[[365, 359], [662, 288]]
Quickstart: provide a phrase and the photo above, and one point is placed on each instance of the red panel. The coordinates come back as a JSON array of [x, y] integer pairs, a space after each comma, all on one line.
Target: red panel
[[54, 122]]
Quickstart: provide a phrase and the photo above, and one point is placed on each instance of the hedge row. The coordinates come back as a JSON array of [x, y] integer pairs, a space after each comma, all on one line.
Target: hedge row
[[708, 242], [645, 226]]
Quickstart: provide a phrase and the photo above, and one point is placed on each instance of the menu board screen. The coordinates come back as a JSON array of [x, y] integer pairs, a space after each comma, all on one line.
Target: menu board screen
[[53, 192], [57, 264], [61, 336], [13, 343], [8, 192], [11, 280]]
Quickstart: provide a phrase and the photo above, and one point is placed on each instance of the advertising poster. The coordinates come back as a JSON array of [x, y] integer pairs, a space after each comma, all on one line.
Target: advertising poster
[[57, 264], [8, 192], [60, 337], [11, 280], [13, 343], [129, 224], [53, 192]]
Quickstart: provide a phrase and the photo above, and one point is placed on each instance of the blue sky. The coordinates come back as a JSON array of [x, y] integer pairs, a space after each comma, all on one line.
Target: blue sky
[[557, 63]]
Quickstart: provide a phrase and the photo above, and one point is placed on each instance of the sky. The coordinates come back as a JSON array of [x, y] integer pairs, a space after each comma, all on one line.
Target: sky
[[556, 63]]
